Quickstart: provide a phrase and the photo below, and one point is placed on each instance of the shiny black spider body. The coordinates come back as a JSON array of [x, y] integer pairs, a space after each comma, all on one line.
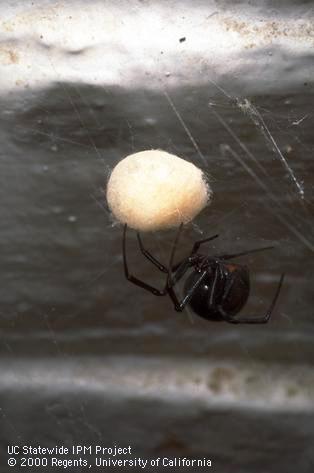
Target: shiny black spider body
[[215, 289], [206, 298]]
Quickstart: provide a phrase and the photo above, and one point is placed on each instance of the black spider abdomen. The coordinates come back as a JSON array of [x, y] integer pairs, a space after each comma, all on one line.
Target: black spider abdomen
[[240, 290], [200, 299], [237, 297]]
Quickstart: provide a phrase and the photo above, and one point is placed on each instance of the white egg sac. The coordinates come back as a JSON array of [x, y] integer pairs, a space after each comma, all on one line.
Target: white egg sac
[[154, 190]]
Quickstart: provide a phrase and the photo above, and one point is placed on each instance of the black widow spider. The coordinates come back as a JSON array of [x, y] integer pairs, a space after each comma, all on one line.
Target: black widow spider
[[216, 289]]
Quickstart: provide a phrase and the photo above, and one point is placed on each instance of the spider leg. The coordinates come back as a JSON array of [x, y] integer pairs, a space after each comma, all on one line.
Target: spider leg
[[152, 259], [179, 306], [180, 270], [181, 267], [198, 243], [261, 319], [157, 263], [217, 274], [133, 279], [170, 282], [149, 256], [246, 252], [195, 248]]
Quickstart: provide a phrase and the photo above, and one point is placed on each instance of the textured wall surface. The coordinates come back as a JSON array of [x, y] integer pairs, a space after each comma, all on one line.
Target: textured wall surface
[[86, 357]]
